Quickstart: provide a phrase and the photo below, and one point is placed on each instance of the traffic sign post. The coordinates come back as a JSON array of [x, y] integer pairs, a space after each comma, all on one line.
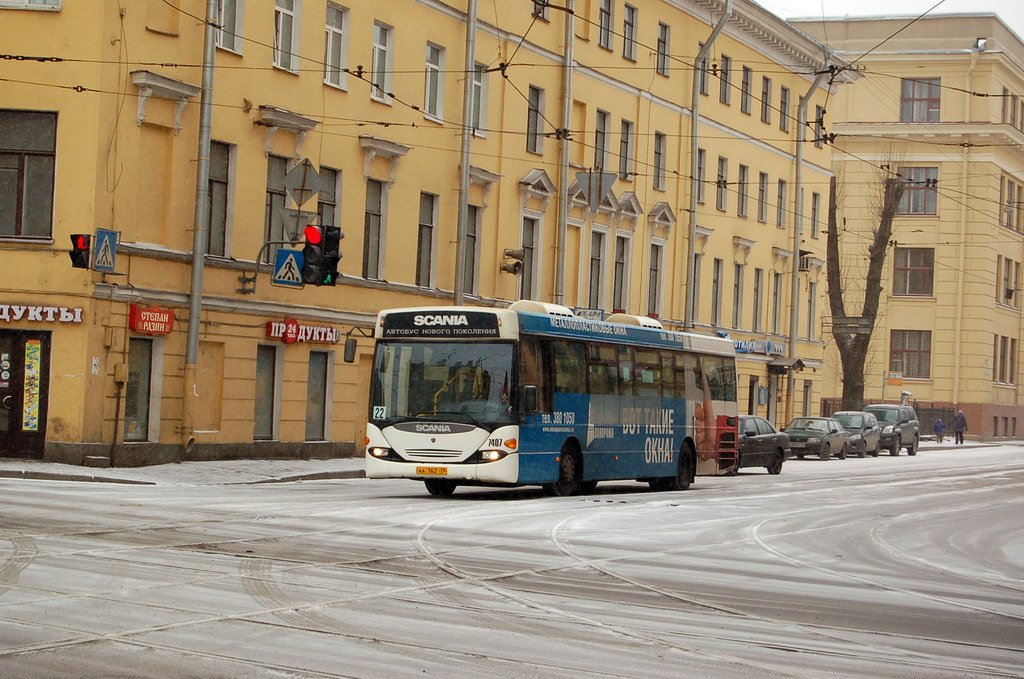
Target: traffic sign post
[[104, 250], [302, 181], [288, 269]]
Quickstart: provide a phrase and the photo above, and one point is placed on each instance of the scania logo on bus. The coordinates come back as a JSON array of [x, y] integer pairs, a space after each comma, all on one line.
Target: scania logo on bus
[[435, 427], [446, 319]]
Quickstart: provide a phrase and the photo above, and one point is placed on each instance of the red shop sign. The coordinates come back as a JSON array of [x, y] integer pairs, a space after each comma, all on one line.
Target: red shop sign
[[290, 331], [150, 320]]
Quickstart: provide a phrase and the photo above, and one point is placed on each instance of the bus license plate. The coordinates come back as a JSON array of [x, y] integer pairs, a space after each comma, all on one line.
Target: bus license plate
[[431, 471]]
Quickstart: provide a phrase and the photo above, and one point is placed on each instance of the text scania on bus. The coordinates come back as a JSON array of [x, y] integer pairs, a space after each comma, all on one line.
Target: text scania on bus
[[532, 395]]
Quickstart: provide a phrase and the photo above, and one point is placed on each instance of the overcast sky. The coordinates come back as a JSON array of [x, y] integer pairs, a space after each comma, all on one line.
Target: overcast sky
[[1010, 11]]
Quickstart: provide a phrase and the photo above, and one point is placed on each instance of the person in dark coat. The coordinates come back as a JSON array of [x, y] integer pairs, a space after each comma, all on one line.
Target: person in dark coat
[[940, 430], [959, 427]]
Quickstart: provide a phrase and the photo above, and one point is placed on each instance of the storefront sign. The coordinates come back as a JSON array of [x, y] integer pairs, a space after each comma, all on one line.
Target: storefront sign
[[151, 320], [291, 331], [766, 347], [40, 314]]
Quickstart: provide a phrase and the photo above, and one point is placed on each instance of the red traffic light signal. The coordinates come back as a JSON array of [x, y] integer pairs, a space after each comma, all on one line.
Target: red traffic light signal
[[313, 255], [312, 234], [81, 245]]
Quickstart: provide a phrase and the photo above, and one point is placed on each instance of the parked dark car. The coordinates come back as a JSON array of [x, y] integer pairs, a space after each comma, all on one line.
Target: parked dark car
[[762, 445], [821, 436], [900, 426], [865, 432]]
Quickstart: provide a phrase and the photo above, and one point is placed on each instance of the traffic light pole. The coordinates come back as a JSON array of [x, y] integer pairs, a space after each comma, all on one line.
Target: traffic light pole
[[467, 135], [190, 392]]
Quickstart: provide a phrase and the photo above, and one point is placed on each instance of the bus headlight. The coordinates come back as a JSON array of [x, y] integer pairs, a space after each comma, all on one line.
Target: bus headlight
[[378, 452], [813, 439], [492, 455]]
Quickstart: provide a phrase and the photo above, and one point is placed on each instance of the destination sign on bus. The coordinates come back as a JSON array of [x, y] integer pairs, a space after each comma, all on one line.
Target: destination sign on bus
[[439, 324]]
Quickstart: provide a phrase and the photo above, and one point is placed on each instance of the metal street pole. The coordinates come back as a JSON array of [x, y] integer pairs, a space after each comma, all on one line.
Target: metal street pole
[[190, 392], [467, 136]]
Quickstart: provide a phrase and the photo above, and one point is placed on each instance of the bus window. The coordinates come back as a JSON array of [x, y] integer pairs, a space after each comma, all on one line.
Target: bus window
[[533, 370], [668, 375], [647, 367], [721, 377], [693, 389], [570, 366], [602, 369], [627, 378]]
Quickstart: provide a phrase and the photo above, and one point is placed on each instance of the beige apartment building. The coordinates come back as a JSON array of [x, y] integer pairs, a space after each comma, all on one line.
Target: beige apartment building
[[942, 104], [100, 128]]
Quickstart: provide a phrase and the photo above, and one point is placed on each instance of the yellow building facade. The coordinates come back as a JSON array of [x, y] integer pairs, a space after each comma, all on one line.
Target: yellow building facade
[[942, 105], [100, 132]]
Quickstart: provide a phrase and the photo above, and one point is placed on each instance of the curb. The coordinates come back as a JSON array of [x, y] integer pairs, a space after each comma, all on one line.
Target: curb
[[56, 476], [319, 476]]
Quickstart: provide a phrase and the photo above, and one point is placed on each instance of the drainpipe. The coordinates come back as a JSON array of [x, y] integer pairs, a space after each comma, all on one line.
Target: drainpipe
[[691, 246], [190, 393], [563, 155], [798, 222], [957, 343], [467, 136]]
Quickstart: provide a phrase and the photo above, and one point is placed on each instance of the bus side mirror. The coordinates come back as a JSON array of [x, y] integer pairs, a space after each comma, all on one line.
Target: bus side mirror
[[530, 398], [350, 349]]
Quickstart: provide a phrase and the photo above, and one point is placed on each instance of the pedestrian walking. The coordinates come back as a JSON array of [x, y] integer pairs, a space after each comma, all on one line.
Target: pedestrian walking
[[940, 429], [959, 427]]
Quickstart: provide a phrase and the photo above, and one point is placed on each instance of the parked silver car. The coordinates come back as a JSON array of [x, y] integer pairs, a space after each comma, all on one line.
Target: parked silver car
[[865, 432]]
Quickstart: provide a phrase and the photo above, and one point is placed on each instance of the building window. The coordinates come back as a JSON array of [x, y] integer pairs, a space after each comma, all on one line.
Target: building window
[[478, 117], [758, 299], [663, 47], [534, 129], [702, 162], [265, 411], [913, 271], [746, 86], [738, 271], [698, 258], [1007, 281], [596, 269], [273, 219], [784, 109], [380, 64], [601, 140], [49, 5], [766, 100], [780, 207], [722, 184], [219, 195], [1011, 203], [139, 392], [433, 82], [724, 82], [626, 150], [742, 191], [327, 198], [910, 352], [317, 389], [373, 229], [529, 245], [604, 24], [336, 46], [629, 33], [716, 291], [659, 161], [654, 281], [776, 302], [286, 35], [920, 192], [28, 144], [540, 9], [702, 72], [812, 304], [762, 197], [919, 100], [229, 16], [425, 239], [472, 249], [621, 274], [815, 215]]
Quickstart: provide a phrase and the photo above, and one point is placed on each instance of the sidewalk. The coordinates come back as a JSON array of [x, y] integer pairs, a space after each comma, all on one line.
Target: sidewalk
[[222, 472]]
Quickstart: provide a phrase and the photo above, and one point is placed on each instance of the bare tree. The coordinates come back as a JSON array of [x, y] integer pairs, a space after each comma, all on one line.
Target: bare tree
[[853, 346]]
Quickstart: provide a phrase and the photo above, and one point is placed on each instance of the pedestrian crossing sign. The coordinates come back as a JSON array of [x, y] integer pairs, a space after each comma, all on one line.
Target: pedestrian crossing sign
[[288, 269], [104, 250]]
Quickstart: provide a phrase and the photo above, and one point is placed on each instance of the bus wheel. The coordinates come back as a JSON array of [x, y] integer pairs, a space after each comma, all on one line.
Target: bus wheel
[[439, 487], [588, 487], [684, 472], [569, 469]]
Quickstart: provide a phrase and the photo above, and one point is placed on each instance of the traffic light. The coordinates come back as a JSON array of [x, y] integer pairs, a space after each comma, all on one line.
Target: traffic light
[[332, 255], [515, 266], [313, 255], [81, 244]]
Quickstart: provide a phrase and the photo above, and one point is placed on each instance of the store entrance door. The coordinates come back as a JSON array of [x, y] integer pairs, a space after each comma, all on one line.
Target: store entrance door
[[24, 387]]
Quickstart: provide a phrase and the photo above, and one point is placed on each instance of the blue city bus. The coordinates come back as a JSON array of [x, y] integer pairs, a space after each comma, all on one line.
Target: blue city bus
[[534, 395]]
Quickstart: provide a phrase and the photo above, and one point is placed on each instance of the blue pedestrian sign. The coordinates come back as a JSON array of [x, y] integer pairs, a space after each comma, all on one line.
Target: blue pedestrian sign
[[104, 250], [288, 269]]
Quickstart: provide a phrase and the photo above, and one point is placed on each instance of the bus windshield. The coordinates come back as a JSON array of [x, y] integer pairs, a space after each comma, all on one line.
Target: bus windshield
[[457, 381]]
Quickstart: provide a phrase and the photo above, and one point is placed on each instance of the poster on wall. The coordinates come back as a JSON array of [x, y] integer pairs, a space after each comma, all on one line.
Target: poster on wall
[[30, 405]]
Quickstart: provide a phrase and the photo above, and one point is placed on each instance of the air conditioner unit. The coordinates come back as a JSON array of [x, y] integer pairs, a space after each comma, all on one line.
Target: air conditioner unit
[[805, 263]]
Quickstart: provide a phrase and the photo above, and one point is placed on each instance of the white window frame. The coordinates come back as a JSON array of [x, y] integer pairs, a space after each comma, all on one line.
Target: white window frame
[[739, 279], [381, 61], [478, 118], [433, 78], [757, 320], [282, 14], [535, 121], [602, 265], [275, 425], [431, 246], [664, 49], [605, 17], [335, 74], [722, 184], [702, 162], [812, 307], [44, 5], [627, 144], [626, 262], [629, 21], [534, 270], [660, 150], [228, 37], [717, 281], [156, 387], [659, 277], [602, 123]]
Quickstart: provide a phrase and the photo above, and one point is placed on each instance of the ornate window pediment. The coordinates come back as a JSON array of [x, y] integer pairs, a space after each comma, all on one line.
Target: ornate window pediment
[[537, 185], [275, 119], [661, 219], [374, 147], [153, 85], [741, 247]]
